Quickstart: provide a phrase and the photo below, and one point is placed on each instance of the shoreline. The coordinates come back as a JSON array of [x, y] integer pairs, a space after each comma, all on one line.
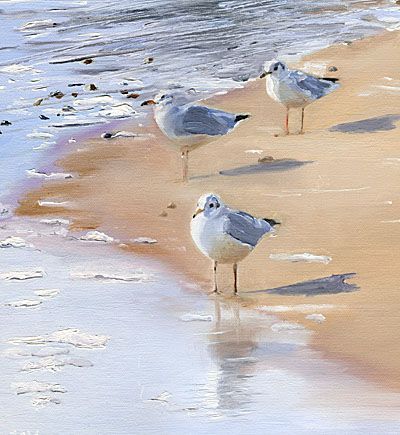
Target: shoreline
[[321, 189]]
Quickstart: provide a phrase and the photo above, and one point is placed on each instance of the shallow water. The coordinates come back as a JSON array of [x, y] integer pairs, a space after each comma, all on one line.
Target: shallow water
[[159, 356]]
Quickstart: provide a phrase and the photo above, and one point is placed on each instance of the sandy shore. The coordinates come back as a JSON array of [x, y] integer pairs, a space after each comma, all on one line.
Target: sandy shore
[[336, 192]]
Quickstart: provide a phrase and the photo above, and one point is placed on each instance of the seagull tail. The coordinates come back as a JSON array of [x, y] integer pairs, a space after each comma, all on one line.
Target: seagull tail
[[241, 117], [272, 222], [330, 79]]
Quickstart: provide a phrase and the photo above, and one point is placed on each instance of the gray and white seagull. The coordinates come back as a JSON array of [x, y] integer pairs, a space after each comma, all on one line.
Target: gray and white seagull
[[295, 89], [188, 125], [226, 235]]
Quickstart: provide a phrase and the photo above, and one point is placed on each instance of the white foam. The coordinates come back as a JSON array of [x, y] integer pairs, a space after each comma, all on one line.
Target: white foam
[[54, 203], [55, 222], [137, 277], [47, 293], [77, 338], [307, 257], [14, 242], [18, 69], [145, 240], [287, 326], [42, 401], [71, 336], [21, 275], [316, 317], [193, 317], [37, 387], [39, 135], [33, 173], [254, 151], [97, 236], [24, 303], [118, 111], [39, 24], [44, 352], [43, 146], [301, 308], [53, 364], [93, 102]]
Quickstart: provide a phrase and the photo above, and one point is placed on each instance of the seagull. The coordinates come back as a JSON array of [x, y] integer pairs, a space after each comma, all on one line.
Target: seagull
[[188, 125], [294, 88], [225, 235]]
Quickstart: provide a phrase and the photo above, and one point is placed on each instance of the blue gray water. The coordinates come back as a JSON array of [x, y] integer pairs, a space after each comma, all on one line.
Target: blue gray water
[[151, 354], [209, 45]]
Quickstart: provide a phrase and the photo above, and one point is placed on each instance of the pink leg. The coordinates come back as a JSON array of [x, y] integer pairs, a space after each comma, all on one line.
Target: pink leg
[[185, 164]]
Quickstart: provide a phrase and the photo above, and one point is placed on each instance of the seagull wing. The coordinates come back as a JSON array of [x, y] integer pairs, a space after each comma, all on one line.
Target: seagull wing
[[314, 86], [203, 120], [245, 228]]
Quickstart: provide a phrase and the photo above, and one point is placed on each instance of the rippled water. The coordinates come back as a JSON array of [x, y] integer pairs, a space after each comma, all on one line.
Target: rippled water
[[143, 46]]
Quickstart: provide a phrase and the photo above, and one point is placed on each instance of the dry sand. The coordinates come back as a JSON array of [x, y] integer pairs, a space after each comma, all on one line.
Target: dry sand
[[343, 203]]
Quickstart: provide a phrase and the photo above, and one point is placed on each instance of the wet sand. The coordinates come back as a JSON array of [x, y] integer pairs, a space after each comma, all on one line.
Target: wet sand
[[335, 191]]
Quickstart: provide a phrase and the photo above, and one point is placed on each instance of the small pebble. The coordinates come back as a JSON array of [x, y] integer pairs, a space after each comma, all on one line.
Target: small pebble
[[266, 159], [149, 60], [74, 94], [332, 69], [68, 109], [124, 91], [90, 87], [163, 214], [88, 61], [43, 117], [133, 95], [5, 122], [38, 102], [171, 205], [56, 94], [106, 135]]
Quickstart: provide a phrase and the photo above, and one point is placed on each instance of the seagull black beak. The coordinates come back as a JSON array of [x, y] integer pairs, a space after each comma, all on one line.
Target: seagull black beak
[[198, 211], [264, 74]]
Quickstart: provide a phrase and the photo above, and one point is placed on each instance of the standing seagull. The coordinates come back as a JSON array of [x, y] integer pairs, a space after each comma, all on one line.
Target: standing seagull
[[190, 126], [294, 88], [226, 235]]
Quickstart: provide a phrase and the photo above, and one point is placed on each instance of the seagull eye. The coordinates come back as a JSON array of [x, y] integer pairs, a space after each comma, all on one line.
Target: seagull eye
[[211, 205], [276, 68], [217, 205]]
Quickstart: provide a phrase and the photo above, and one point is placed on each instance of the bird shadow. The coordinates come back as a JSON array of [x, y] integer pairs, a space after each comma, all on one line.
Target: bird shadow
[[328, 285], [272, 166], [370, 125]]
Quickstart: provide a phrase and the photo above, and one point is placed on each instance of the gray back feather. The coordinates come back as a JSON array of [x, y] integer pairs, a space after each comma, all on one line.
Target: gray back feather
[[315, 86], [203, 120], [245, 228]]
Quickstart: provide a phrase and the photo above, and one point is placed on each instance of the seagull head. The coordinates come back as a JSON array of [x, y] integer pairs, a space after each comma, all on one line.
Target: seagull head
[[275, 68], [209, 205], [167, 98]]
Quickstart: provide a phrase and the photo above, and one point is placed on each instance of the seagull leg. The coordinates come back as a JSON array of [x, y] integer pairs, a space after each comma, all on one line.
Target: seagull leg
[[287, 121], [215, 277], [185, 163], [235, 278], [302, 121]]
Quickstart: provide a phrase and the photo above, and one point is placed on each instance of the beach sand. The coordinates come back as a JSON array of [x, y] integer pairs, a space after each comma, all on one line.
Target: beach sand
[[335, 191]]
